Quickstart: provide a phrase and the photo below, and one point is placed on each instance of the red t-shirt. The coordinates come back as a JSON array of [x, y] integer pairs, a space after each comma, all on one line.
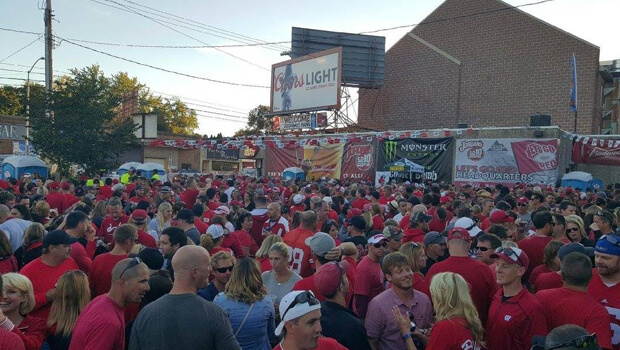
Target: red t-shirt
[[566, 306], [101, 326], [548, 280], [10, 341], [537, 271], [418, 281], [451, 334], [369, 279], [8, 265], [32, 331], [405, 221], [189, 197], [44, 278], [231, 241], [81, 258], [100, 277], [513, 323], [146, 239], [220, 249], [207, 216], [480, 278], [246, 241], [413, 235], [265, 264], [324, 343], [108, 225], [70, 199], [259, 217], [300, 255], [609, 297], [201, 226], [534, 247], [360, 203], [377, 223], [56, 201], [299, 207], [106, 191]]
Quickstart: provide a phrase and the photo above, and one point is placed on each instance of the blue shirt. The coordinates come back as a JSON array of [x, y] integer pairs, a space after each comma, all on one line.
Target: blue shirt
[[259, 326], [209, 293]]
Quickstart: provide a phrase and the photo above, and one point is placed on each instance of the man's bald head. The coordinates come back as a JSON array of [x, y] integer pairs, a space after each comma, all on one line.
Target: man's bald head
[[419, 207], [188, 257], [122, 269]]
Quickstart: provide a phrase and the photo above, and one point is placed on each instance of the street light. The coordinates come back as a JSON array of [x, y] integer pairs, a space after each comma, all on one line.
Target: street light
[[28, 106]]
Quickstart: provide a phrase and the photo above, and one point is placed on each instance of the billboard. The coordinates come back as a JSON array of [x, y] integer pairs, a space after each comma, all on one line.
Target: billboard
[[302, 121], [435, 155], [481, 162], [324, 160], [358, 161], [308, 83], [588, 150]]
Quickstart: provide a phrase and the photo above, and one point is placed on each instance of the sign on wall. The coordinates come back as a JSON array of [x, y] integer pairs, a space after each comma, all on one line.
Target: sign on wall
[[302, 121], [229, 154], [435, 155], [309, 83], [482, 162], [12, 132], [590, 150]]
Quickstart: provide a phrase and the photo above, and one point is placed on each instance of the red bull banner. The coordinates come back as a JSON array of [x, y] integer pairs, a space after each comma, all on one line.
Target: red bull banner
[[482, 162], [592, 150], [358, 162]]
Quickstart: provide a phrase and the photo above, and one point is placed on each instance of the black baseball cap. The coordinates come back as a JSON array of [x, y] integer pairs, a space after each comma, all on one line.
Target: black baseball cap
[[185, 214], [57, 237]]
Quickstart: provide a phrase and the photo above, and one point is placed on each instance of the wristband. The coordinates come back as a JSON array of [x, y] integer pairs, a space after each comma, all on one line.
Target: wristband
[[407, 336]]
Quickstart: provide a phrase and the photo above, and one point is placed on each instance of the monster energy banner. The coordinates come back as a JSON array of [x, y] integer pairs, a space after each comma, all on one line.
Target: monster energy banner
[[435, 155]]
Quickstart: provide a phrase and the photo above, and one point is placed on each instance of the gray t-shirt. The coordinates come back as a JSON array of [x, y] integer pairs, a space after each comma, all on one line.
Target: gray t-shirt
[[182, 322], [279, 289], [194, 235]]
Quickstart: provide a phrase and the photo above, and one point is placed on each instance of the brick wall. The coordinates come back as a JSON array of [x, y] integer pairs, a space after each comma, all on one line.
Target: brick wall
[[512, 66]]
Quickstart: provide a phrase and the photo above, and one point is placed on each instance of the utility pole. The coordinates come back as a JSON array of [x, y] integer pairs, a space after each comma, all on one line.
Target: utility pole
[[28, 106], [49, 45]]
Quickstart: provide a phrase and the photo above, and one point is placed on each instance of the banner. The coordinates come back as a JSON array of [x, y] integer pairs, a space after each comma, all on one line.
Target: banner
[[322, 160], [435, 155], [573, 84], [482, 162], [596, 151], [358, 162], [303, 121]]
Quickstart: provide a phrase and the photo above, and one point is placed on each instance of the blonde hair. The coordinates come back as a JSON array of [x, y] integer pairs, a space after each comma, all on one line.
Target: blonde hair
[[413, 251], [72, 296], [263, 251], [33, 233], [221, 256], [280, 248], [23, 285], [368, 219], [160, 215], [451, 298], [376, 209], [245, 284], [576, 220], [206, 241], [42, 208]]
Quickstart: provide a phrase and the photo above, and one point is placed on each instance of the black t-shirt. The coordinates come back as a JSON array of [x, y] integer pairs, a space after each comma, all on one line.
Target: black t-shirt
[[360, 243]]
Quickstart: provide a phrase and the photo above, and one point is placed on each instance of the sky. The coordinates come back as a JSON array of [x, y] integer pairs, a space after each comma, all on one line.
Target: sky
[[223, 107]]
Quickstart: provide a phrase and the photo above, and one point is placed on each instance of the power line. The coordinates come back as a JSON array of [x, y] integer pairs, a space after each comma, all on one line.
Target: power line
[[22, 79], [19, 31], [174, 46], [18, 51], [40, 68], [166, 70], [202, 101], [186, 35], [20, 71], [222, 114], [220, 118]]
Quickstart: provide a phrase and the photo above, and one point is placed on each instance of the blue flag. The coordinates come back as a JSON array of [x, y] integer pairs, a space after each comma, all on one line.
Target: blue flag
[[573, 84]]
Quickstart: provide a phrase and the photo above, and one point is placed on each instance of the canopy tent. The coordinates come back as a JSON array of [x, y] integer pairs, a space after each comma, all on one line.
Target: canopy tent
[[147, 170], [293, 173], [581, 180], [404, 165], [16, 166], [125, 167]]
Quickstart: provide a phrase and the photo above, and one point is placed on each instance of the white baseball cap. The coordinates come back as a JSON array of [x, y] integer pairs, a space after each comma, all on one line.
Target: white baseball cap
[[296, 304], [469, 225], [216, 231], [298, 198]]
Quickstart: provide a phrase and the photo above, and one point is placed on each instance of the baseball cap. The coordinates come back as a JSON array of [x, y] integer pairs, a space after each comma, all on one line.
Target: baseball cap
[[376, 239], [185, 214], [358, 222], [152, 258], [296, 304], [469, 225], [523, 200], [216, 231], [118, 187], [139, 215], [57, 237], [328, 277], [393, 232], [328, 200], [65, 186], [420, 216], [165, 189], [445, 199], [54, 185], [500, 217], [298, 198], [511, 256], [139, 187], [222, 209], [320, 243], [353, 213], [459, 233], [574, 247], [434, 237]]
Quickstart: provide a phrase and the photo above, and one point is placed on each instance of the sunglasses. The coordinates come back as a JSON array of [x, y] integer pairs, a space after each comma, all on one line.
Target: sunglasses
[[483, 249], [224, 269], [302, 298], [574, 229], [379, 245], [136, 261], [583, 342], [510, 253], [521, 205]]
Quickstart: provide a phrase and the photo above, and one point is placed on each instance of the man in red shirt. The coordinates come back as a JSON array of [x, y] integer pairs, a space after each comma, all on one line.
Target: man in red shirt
[[106, 189], [296, 240], [55, 199], [277, 225], [115, 218], [604, 286], [418, 226], [199, 222], [298, 204], [102, 323], [79, 226], [45, 271], [189, 195], [139, 195], [260, 215], [571, 304], [320, 244], [70, 199], [369, 277], [361, 200], [100, 276], [477, 274], [534, 246], [515, 315]]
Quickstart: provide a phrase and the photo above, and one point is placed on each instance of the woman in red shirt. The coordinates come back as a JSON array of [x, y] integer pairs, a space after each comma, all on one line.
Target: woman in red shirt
[[377, 218], [8, 263], [17, 302], [244, 225]]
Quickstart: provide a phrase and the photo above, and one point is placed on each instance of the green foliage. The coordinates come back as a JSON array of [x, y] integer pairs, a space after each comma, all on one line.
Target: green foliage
[[83, 128], [258, 124], [10, 103]]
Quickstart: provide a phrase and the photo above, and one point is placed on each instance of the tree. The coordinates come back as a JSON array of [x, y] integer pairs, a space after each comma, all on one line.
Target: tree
[[258, 124], [10, 103], [83, 128]]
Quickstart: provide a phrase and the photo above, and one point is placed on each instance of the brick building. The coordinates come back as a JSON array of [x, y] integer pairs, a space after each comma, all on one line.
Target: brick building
[[494, 66]]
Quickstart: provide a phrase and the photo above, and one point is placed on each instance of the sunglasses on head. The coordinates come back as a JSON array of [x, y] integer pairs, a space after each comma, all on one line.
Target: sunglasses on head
[[132, 263], [510, 253], [574, 229], [302, 298], [224, 269], [380, 244], [583, 342]]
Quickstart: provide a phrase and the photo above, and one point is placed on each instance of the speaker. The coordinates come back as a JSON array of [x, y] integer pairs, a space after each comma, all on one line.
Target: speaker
[[540, 120]]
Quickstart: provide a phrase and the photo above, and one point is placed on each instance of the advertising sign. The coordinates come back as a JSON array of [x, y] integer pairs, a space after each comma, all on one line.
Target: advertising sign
[[229, 154], [435, 155], [308, 83], [303, 121], [358, 162], [482, 162], [596, 151], [321, 161]]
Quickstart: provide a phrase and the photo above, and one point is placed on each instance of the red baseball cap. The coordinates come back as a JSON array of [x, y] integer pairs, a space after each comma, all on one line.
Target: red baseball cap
[[512, 256], [54, 185], [445, 199], [459, 233], [139, 215], [328, 277], [500, 217], [65, 186], [354, 212], [523, 200]]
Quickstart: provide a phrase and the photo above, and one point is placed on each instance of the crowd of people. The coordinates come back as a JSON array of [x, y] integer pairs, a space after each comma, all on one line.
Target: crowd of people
[[237, 262]]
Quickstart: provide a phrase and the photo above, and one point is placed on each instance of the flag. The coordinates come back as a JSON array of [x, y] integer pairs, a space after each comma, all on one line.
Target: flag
[[573, 84]]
